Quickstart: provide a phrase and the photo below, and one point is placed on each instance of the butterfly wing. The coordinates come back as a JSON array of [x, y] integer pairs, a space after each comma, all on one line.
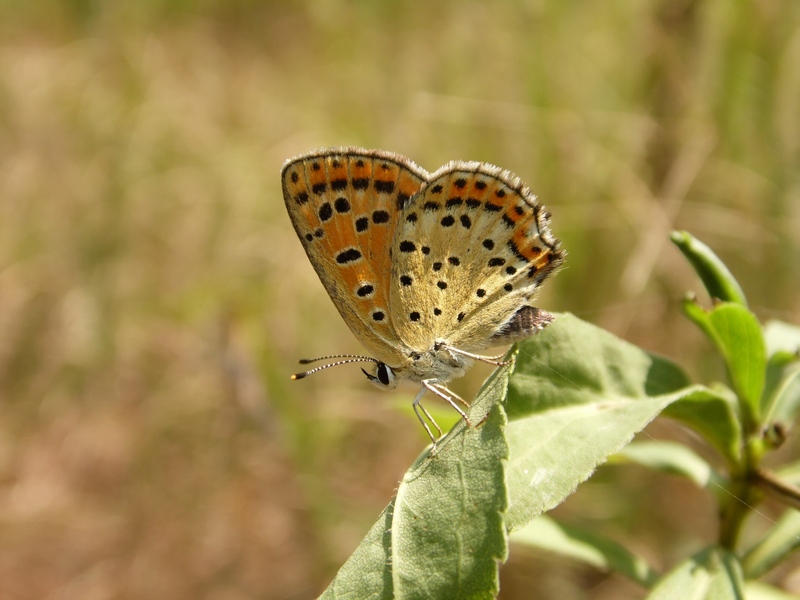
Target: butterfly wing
[[344, 204], [470, 251]]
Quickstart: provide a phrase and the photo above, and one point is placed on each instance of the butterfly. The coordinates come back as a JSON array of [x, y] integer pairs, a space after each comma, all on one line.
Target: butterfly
[[426, 269]]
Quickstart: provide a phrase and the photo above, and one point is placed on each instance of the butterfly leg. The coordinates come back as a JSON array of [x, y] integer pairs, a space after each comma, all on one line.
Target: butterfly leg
[[417, 407], [449, 396], [497, 358], [492, 360]]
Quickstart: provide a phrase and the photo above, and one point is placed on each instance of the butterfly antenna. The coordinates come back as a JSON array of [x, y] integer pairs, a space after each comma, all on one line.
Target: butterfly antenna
[[350, 359], [308, 361]]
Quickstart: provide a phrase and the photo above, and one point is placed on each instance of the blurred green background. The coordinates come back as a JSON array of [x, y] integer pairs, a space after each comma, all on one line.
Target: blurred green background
[[154, 299]]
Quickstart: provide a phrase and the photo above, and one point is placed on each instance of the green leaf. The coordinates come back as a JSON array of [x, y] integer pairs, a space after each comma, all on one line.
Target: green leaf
[[543, 533], [367, 573], [775, 547], [578, 394], [784, 402], [444, 533], [672, 458], [736, 333], [712, 412], [713, 574], [718, 280], [573, 363], [781, 398]]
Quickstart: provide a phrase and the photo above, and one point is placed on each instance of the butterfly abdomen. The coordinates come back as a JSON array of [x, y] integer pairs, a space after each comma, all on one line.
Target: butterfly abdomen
[[527, 321]]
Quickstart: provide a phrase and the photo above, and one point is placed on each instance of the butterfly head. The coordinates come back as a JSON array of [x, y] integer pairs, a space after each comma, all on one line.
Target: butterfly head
[[439, 363]]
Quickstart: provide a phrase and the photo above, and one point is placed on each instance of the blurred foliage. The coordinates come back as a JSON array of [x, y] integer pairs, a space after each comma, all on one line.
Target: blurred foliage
[[153, 298]]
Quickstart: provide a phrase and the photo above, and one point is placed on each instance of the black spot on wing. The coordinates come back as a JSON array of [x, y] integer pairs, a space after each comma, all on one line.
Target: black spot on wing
[[380, 216], [348, 256], [384, 187], [341, 205], [325, 212]]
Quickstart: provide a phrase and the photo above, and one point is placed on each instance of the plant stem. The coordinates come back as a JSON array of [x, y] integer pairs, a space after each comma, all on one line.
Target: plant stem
[[734, 513], [743, 494]]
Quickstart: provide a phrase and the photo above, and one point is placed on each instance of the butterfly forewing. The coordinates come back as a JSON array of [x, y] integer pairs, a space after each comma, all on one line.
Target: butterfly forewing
[[470, 251], [343, 204]]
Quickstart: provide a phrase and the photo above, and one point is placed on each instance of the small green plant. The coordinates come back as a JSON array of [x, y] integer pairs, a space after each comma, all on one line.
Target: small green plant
[[575, 396]]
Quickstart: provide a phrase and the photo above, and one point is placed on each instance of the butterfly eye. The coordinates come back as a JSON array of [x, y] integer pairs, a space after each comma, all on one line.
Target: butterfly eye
[[384, 377]]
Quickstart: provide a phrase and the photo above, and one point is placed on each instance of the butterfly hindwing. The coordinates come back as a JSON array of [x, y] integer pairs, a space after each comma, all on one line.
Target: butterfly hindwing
[[344, 204], [470, 252]]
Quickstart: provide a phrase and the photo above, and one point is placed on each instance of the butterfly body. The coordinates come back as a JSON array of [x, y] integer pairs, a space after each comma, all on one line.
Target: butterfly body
[[425, 269]]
